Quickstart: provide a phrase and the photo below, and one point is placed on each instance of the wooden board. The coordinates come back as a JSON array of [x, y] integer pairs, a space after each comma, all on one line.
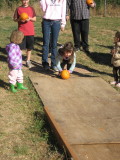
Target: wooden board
[[87, 110]]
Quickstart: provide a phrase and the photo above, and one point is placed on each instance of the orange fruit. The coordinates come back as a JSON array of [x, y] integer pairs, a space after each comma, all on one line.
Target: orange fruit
[[65, 74], [89, 2], [24, 16]]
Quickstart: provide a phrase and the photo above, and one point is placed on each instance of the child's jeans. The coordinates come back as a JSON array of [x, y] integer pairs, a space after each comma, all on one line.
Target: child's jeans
[[15, 76]]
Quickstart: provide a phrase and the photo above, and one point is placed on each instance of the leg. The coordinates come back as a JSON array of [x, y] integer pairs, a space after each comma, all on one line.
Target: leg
[[115, 74], [29, 46], [54, 38], [12, 79], [84, 33], [68, 66], [75, 25], [20, 80], [46, 40], [63, 64], [119, 73], [28, 53]]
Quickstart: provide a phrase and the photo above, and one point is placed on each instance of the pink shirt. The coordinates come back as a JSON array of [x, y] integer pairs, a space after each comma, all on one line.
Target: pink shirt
[[54, 10]]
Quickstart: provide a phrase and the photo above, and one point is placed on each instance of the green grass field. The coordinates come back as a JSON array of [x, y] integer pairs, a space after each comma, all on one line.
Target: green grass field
[[24, 130]]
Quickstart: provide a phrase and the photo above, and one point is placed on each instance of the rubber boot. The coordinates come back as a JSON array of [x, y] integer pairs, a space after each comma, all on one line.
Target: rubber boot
[[12, 88], [20, 86]]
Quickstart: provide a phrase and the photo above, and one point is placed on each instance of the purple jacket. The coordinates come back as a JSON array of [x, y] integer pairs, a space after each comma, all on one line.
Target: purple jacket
[[14, 56]]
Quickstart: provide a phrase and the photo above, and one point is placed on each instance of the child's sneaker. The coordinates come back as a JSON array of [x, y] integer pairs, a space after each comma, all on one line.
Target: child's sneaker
[[113, 83], [118, 85], [28, 64], [54, 68]]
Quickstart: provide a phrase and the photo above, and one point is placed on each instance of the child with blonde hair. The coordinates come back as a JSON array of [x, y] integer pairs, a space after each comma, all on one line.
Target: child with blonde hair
[[116, 59], [15, 61]]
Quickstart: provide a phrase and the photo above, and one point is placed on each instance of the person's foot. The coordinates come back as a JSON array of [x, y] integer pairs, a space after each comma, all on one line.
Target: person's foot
[[54, 68], [77, 49], [45, 65], [28, 64], [113, 83], [118, 85]]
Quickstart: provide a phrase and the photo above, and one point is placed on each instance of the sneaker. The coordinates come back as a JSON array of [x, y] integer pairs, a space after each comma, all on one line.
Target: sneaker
[[77, 49], [46, 65], [118, 85], [28, 64], [113, 83], [54, 68]]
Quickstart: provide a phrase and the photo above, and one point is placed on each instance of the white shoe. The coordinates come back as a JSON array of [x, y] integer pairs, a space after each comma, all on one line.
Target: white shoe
[[118, 85], [113, 83], [28, 64], [54, 68]]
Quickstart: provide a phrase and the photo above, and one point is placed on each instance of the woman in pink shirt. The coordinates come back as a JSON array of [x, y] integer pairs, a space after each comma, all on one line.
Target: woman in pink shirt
[[54, 19]]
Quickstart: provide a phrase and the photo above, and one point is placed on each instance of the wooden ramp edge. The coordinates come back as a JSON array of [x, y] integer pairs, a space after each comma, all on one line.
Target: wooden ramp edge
[[60, 134]]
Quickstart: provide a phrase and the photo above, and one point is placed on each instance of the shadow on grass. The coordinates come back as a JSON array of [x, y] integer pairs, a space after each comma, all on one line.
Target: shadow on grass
[[38, 68], [92, 70], [101, 58], [3, 57], [4, 84]]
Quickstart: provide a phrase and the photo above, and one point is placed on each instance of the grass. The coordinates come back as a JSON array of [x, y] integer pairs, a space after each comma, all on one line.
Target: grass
[[24, 130]]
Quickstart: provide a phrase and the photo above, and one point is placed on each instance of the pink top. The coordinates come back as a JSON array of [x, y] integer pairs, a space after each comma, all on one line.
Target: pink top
[[54, 10]]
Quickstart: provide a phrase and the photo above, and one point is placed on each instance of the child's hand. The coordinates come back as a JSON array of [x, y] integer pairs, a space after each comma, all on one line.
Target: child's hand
[[70, 71], [62, 28], [67, 18], [59, 73], [28, 19], [23, 21]]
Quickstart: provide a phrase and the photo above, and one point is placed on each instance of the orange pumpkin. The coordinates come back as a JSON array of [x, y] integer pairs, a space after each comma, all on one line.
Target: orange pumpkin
[[65, 74], [24, 16], [89, 2]]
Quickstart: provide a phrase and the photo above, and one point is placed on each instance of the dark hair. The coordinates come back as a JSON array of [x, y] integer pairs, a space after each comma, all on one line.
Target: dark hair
[[117, 34], [16, 37], [68, 47]]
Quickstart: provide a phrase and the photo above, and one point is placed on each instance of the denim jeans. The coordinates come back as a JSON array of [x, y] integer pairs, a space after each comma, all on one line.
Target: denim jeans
[[50, 28]]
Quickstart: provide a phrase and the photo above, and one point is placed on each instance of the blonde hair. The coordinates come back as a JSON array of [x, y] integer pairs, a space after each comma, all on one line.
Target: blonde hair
[[16, 37]]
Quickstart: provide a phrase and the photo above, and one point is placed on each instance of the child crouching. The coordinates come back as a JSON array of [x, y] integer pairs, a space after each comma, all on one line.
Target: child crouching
[[15, 61], [66, 57]]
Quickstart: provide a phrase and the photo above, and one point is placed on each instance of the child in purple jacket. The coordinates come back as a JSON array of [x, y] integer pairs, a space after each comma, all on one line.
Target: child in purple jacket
[[15, 61]]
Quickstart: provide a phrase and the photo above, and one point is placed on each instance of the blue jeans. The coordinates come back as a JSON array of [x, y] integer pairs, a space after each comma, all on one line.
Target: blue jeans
[[50, 27]]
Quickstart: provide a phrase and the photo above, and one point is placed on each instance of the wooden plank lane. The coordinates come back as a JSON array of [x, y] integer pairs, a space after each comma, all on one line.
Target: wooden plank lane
[[60, 134], [85, 112]]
